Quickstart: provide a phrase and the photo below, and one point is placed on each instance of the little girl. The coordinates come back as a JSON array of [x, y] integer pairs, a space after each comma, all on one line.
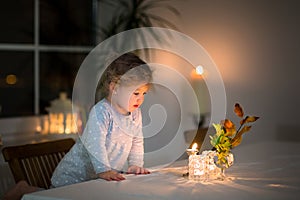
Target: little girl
[[113, 133]]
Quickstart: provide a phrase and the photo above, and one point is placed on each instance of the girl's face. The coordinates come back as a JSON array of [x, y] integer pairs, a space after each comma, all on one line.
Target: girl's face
[[128, 99]]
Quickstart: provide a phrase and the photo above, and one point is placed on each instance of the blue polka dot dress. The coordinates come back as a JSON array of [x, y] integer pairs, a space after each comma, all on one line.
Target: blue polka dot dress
[[109, 141]]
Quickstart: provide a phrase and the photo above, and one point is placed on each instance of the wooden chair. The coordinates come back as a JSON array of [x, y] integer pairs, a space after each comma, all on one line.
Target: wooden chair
[[35, 163]]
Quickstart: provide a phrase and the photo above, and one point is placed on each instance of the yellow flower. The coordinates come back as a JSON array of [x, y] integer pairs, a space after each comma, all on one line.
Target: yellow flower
[[227, 137], [219, 129]]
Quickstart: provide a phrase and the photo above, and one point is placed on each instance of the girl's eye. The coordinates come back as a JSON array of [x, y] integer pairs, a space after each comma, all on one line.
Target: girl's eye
[[138, 93]]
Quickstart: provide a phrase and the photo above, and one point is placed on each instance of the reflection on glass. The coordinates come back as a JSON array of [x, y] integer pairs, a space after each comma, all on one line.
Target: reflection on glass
[[16, 83], [57, 74]]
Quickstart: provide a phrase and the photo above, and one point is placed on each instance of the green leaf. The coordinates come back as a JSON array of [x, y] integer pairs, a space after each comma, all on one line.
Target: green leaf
[[219, 129], [215, 140]]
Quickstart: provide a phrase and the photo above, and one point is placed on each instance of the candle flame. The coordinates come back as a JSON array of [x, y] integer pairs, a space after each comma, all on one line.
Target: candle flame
[[195, 145]]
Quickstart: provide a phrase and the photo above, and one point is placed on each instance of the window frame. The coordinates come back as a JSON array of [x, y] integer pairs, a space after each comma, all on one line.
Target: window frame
[[36, 48]]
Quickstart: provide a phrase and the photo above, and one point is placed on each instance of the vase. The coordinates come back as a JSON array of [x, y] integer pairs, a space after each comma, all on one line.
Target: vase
[[221, 168]]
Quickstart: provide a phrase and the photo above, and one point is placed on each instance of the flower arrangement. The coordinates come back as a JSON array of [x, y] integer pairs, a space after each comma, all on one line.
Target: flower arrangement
[[227, 136]]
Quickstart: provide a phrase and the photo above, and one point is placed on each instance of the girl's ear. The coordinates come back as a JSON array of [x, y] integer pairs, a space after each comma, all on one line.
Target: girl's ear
[[112, 87]]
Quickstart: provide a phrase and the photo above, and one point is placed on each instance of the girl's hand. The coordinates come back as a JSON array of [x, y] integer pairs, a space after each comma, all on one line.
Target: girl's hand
[[137, 170], [111, 175]]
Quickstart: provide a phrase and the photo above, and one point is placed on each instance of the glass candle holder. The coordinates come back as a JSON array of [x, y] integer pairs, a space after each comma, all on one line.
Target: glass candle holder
[[203, 168], [192, 153], [196, 167]]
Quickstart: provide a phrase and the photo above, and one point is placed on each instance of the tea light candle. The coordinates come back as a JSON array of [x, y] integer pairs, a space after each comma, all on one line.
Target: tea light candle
[[193, 150], [201, 167], [194, 162], [195, 167]]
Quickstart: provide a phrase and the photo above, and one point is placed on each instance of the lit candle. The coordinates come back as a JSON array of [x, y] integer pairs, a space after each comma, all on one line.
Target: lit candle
[[38, 129], [60, 123], [68, 122], [46, 125], [193, 150], [73, 123], [194, 162]]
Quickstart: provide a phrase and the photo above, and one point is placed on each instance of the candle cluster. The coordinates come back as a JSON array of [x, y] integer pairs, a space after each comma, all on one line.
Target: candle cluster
[[202, 167], [61, 119], [59, 123]]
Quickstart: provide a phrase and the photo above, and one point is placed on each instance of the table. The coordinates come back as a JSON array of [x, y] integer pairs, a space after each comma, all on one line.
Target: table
[[258, 173]]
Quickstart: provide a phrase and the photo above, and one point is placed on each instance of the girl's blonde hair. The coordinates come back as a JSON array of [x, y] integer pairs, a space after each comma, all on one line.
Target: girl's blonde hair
[[127, 70]]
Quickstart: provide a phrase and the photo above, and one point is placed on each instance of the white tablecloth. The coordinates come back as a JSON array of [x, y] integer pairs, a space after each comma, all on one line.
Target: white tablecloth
[[270, 176]]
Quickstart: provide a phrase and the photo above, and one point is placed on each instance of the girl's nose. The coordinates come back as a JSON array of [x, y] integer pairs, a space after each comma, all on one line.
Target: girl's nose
[[140, 98]]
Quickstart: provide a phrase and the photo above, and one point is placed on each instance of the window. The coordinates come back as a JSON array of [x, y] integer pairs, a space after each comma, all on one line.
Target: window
[[41, 49]]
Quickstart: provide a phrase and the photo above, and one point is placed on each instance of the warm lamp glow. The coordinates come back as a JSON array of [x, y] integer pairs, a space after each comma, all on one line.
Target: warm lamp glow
[[198, 73], [11, 79], [199, 70]]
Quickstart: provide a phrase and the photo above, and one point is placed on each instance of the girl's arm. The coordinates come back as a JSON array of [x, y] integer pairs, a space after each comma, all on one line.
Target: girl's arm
[[94, 138], [136, 155]]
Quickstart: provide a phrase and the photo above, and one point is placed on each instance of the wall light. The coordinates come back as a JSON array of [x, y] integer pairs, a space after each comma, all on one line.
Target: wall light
[[199, 70]]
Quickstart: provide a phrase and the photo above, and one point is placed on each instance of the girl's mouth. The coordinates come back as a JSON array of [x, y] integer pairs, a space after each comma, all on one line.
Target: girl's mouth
[[136, 105]]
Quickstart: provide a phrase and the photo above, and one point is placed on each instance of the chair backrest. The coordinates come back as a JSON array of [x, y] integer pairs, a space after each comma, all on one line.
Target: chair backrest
[[35, 163]]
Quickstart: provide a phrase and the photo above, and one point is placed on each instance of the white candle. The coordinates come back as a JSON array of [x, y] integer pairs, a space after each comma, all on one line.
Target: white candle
[[194, 162], [193, 150]]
